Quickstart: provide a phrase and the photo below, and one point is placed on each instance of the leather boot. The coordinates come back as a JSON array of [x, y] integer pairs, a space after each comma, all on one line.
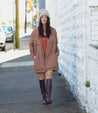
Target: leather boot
[[43, 90], [48, 90]]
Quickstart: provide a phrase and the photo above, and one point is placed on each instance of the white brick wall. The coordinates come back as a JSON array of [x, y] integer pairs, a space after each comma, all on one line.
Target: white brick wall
[[78, 61]]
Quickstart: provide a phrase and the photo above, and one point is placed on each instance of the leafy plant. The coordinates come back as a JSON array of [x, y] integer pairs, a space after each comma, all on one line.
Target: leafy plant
[[87, 83]]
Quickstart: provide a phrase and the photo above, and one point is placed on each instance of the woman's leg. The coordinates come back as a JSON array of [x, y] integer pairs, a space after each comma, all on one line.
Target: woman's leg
[[49, 74], [42, 86], [42, 76], [48, 85]]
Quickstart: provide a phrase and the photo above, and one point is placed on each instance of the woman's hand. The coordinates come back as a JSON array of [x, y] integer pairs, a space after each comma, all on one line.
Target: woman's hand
[[57, 53], [34, 57]]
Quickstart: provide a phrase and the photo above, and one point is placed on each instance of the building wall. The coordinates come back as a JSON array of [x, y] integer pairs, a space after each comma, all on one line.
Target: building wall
[[78, 60], [41, 4]]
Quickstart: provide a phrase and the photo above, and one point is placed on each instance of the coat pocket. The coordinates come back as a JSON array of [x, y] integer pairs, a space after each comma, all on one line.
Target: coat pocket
[[52, 60]]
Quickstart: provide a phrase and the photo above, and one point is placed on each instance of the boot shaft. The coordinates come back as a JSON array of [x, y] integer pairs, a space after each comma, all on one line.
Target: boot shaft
[[43, 90], [48, 87], [42, 86]]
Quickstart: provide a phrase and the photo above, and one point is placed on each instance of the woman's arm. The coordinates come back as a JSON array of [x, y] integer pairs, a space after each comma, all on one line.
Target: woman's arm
[[57, 49], [31, 45]]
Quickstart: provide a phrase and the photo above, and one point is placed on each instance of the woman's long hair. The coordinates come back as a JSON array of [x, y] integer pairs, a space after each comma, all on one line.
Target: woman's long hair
[[41, 29]]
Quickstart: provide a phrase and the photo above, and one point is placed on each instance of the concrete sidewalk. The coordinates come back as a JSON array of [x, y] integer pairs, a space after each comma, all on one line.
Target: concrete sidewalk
[[20, 92]]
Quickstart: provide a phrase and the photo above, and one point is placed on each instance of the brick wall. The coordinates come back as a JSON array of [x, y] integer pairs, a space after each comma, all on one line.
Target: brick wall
[[78, 61]]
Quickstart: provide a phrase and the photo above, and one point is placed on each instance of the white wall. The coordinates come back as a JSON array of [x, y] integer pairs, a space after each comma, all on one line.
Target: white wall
[[78, 61]]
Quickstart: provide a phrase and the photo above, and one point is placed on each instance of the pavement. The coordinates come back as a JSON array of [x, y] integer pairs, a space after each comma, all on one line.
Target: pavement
[[20, 91]]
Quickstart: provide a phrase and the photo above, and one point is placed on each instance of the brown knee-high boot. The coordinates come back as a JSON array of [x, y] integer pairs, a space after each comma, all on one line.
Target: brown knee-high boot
[[48, 90], [43, 90]]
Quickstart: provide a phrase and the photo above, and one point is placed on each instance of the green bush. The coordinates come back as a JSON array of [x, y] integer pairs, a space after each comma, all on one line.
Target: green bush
[[87, 83]]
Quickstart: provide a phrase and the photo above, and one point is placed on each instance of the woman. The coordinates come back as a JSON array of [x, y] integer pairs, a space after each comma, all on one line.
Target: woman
[[44, 51]]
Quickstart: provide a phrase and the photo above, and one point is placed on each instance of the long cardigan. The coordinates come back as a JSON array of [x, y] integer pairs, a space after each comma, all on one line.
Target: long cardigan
[[41, 63]]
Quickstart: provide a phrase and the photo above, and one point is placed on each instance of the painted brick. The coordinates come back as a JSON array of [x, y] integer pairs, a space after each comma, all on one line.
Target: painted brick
[[76, 24]]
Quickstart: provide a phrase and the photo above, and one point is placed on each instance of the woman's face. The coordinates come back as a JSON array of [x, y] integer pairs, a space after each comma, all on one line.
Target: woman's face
[[44, 19]]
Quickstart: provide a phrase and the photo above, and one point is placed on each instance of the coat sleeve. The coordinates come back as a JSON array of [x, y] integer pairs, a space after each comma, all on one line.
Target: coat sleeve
[[31, 45], [56, 42]]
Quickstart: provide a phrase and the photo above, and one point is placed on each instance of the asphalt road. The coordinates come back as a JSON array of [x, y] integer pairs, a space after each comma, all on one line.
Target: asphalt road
[[24, 40], [20, 91], [24, 43]]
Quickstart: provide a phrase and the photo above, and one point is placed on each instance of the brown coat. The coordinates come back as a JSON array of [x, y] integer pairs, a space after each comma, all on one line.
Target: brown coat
[[41, 63]]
